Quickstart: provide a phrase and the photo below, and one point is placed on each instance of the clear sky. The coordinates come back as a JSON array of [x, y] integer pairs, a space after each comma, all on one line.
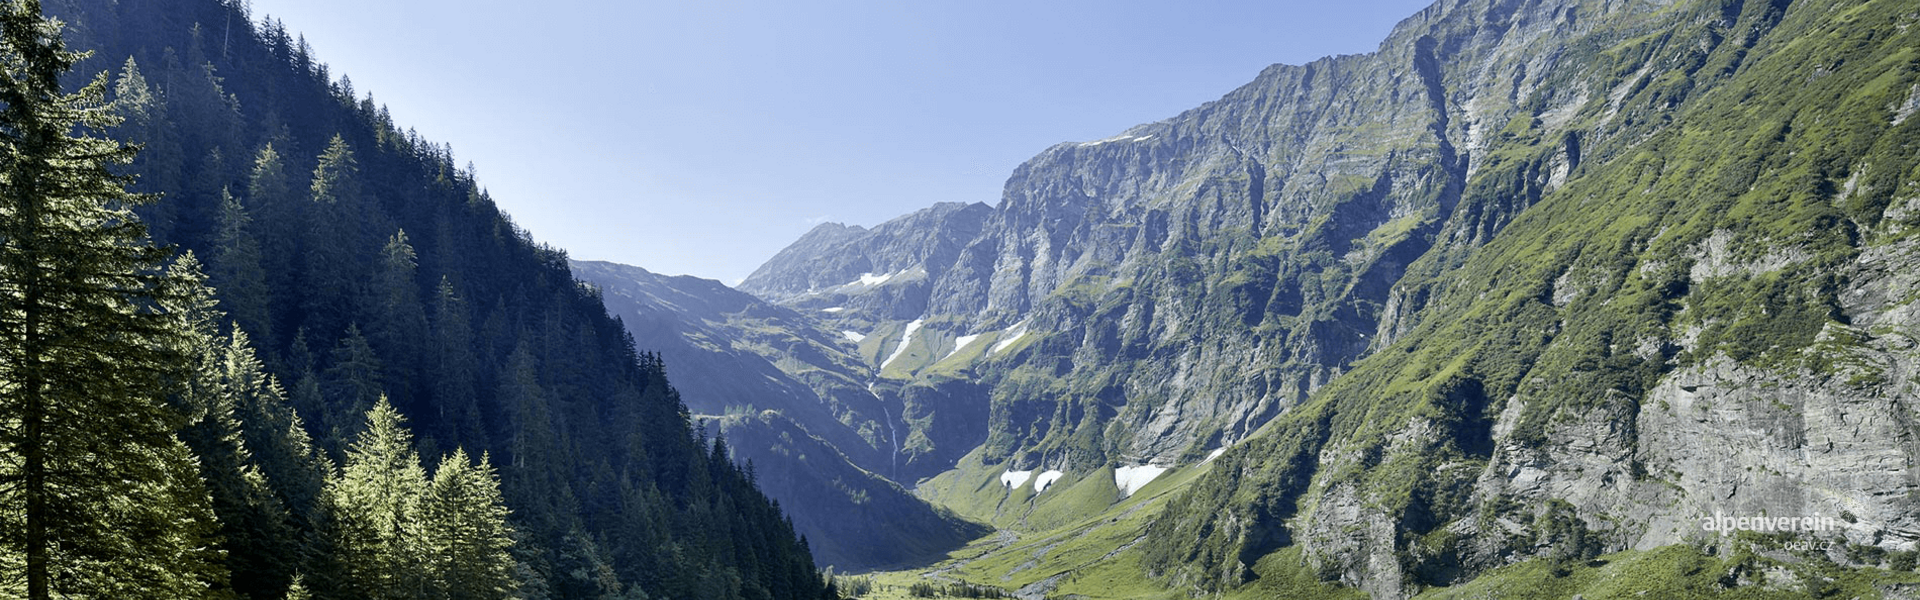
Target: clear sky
[[702, 136]]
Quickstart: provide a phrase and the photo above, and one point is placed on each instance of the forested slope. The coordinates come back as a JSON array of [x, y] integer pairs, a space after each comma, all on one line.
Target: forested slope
[[362, 263]]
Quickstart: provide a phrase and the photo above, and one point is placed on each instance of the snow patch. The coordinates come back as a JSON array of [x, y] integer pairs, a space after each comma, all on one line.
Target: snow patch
[[1131, 479], [872, 279], [959, 344], [1015, 479], [1117, 138], [1018, 330], [834, 309], [1214, 454], [1046, 479], [904, 340], [854, 336]]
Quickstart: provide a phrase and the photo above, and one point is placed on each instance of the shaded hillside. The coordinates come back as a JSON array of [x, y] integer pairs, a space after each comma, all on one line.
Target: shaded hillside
[[822, 453], [363, 262]]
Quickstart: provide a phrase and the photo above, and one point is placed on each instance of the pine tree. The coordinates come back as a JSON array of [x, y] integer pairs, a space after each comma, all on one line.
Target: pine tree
[[282, 219], [351, 385], [83, 424], [400, 322], [332, 239], [298, 591], [145, 121], [467, 533], [452, 376], [280, 447], [254, 528], [237, 269], [376, 508]]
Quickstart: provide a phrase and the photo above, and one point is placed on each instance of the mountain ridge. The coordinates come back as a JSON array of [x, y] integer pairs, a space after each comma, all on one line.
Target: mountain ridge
[[1375, 287]]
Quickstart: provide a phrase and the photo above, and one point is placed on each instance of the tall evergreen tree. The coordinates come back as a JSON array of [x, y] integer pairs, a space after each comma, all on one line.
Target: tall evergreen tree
[[332, 240], [467, 536], [351, 386], [254, 527], [83, 356], [237, 269], [162, 164], [282, 226], [376, 506], [451, 380], [280, 446], [400, 322]]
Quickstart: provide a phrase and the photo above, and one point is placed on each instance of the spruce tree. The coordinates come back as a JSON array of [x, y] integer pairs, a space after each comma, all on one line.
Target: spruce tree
[[145, 121], [452, 375], [237, 269], [467, 536], [281, 218], [351, 385], [400, 322], [84, 356], [376, 507], [254, 527], [332, 240]]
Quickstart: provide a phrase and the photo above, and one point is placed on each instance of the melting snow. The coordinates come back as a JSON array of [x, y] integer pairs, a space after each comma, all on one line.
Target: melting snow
[[904, 340], [872, 279], [1046, 479], [960, 343], [1131, 479], [1015, 479], [1019, 330], [855, 336], [834, 309], [1215, 454]]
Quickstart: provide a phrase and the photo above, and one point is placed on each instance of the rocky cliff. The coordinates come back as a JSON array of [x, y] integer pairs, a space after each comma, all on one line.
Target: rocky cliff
[[1538, 279]]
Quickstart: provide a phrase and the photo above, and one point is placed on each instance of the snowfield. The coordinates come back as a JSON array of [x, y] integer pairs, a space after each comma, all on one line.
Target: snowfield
[[960, 344], [1045, 480], [1131, 479], [855, 336], [1018, 330], [904, 340], [1015, 479]]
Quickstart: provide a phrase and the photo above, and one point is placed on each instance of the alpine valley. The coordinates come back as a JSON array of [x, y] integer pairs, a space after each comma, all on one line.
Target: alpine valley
[[1515, 306], [1540, 299]]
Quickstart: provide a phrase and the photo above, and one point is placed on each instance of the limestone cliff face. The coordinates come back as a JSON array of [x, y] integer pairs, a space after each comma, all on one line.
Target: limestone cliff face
[[1193, 278], [1680, 288], [1594, 266]]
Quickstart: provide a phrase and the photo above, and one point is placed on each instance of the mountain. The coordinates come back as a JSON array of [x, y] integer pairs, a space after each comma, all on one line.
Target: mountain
[[790, 397], [1536, 281], [374, 276]]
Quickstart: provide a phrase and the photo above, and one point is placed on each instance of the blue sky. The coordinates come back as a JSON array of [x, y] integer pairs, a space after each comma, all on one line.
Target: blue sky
[[701, 137]]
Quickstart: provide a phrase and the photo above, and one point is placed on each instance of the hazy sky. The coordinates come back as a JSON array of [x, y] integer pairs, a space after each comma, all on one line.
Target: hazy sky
[[702, 136]]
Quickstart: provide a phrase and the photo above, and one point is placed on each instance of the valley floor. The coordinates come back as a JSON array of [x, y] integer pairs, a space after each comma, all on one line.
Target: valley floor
[[1098, 558]]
